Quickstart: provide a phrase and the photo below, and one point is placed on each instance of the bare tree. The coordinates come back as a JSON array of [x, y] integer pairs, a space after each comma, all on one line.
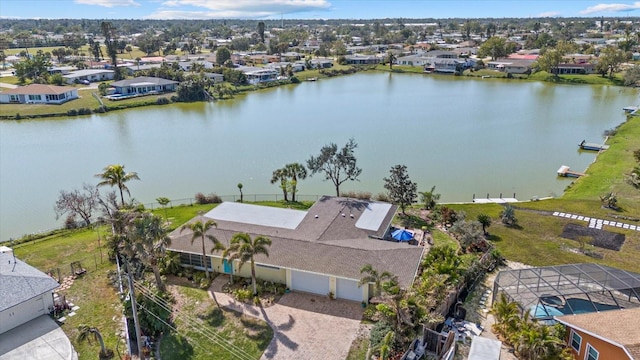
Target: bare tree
[[78, 203]]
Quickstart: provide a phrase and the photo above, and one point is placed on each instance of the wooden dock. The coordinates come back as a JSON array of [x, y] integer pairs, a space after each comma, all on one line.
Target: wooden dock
[[584, 145], [565, 171]]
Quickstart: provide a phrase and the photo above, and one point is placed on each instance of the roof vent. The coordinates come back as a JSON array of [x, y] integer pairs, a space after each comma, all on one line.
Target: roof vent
[[343, 215], [316, 216]]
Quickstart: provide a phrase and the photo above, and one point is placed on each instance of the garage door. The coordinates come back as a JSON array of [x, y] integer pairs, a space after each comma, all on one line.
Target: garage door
[[307, 282], [348, 289]]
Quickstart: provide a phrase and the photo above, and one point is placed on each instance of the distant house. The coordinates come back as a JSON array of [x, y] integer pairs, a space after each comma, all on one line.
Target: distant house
[[362, 59], [38, 94], [143, 85], [319, 251], [321, 63], [441, 54], [64, 70], [511, 66], [582, 69], [612, 334], [91, 75], [26, 291], [445, 66], [414, 60], [256, 75]]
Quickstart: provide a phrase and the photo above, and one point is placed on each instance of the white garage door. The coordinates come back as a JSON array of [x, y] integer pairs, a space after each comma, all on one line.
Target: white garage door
[[348, 289], [307, 282]]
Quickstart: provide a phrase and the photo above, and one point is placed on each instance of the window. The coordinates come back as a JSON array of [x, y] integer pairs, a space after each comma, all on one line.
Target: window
[[576, 341], [591, 354], [34, 97]]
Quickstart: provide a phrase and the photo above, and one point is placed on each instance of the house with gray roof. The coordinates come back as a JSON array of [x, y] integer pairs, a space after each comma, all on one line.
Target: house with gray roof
[[26, 291], [143, 85], [319, 251], [91, 75]]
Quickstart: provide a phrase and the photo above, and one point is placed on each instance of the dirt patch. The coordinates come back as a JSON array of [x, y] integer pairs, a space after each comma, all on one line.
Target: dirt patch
[[599, 238]]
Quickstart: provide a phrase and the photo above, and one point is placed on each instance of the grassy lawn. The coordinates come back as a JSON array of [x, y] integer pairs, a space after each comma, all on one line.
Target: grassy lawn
[[203, 330], [9, 80], [86, 100]]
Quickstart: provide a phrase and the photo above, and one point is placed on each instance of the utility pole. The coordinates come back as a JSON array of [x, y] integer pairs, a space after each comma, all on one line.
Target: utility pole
[[134, 310]]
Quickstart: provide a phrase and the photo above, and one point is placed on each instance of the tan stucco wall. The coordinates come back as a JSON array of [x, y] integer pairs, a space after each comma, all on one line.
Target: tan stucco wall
[[262, 273]]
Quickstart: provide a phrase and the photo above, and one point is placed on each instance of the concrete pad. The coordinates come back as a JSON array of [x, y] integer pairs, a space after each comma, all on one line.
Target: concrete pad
[[625, 226], [574, 216], [632, 227], [606, 222], [580, 217], [38, 339], [555, 213], [587, 218]]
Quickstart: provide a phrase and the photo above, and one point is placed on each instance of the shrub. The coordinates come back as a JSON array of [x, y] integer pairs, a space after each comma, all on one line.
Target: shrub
[[18, 117], [242, 294], [610, 132], [294, 80], [379, 330], [207, 199], [84, 111], [382, 197], [70, 222], [72, 112], [370, 312], [162, 101], [361, 195]]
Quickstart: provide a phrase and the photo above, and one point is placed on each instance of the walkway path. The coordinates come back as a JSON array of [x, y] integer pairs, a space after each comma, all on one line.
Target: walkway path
[[8, 86], [595, 223], [305, 326]]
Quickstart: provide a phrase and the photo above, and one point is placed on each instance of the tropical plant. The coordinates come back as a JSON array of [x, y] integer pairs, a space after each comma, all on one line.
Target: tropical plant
[[295, 171], [385, 346], [337, 166], [430, 198], [164, 201], [199, 230], [508, 215], [375, 277], [401, 189], [170, 263], [87, 332], [114, 175], [506, 313], [609, 200], [148, 239], [243, 248], [485, 221], [280, 176]]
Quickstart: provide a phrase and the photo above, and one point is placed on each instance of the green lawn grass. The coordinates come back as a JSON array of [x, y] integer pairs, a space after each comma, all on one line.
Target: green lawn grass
[[250, 335], [9, 80]]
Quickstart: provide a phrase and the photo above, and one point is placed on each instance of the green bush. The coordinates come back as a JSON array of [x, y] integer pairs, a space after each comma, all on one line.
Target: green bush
[[72, 112], [242, 294], [379, 330], [370, 312], [162, 101]]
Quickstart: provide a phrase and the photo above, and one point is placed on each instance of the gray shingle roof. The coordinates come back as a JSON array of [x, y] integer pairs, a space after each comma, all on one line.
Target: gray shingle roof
[[143, 79], [21, 282], [329, 244]]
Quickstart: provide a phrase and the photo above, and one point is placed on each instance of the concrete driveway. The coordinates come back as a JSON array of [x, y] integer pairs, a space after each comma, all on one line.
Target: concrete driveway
[[305, 326], [38, 339]]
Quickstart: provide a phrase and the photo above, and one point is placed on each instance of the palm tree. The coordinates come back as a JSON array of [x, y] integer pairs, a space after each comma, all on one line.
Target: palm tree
[[508, 215], [199, 230], [87, 332], [240, 186], [220, 247], [280, 175], [391, 58], [149, 240], [430, 199], [506, 313], [114, 175], [243, 248], [164, 201], [373, 276], [295, 171], [485, 221]]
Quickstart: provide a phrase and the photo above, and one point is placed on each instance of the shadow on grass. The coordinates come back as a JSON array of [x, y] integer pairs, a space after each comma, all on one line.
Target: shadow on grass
[[214, 318], [174, 346], [258, 331], [494, 238]]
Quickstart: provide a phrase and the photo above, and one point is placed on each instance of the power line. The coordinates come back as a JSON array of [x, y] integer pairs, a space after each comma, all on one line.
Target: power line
[[195, 324]]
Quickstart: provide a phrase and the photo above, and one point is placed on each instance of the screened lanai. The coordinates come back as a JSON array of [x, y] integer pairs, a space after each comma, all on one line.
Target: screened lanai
[[569, 289]]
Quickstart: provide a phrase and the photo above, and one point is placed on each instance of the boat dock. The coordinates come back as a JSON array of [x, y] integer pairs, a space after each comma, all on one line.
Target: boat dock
[[498, 200], [631, 110], [565, 171], [584, 145]]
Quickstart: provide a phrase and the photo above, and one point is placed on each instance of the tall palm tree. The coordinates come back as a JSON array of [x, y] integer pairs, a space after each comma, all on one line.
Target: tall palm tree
[[149, 240], [88, 332], [199, 230], [295, 171], [280, 175], [114, 175], [243, 248], [373, 276], [485, 221]]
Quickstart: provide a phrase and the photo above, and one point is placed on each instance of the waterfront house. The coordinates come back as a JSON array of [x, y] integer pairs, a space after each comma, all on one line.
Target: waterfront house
[[256, 75], [362, 59], [319, 251], [143, 85], [38, 94]]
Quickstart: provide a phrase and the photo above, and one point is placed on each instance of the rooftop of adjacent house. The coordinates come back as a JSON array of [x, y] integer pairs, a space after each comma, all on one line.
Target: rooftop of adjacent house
[[87, 72], [335, 236], [19, 281], [143, 80], [619, 326], [38, 89]]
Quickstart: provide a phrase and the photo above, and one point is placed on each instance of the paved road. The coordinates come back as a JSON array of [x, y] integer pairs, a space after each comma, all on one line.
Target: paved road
[[305, 326]]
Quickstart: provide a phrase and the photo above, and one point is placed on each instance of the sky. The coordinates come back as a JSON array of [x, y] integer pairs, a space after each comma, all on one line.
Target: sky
[[311, 9]]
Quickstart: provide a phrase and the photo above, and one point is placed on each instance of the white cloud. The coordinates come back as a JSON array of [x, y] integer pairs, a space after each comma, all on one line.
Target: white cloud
[[610, 8], [108, 3], [236, 8], [549, 14]]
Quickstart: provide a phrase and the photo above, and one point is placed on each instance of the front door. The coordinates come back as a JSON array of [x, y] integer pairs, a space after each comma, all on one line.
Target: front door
[[228, 266]]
